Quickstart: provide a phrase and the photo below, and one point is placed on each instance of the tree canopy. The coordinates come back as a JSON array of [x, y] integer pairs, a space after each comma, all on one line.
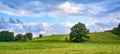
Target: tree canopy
[[29, 35], [6, 36], [79, 33], [18, 37], [25, 37]]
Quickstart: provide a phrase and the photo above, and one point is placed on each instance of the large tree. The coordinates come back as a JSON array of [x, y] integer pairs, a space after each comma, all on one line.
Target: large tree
[[79, 33], [6, 36]]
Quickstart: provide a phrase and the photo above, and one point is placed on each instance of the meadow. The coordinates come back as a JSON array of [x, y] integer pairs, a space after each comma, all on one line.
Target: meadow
[[99, 43]]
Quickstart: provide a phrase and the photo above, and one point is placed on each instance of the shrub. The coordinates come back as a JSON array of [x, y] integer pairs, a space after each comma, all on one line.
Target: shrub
[[66, 38], [40, 35]]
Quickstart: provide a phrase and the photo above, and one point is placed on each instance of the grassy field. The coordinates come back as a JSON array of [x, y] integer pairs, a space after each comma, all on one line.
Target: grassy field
[[99, 43]]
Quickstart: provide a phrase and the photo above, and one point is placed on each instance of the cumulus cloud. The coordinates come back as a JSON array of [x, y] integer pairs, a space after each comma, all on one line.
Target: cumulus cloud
[[103, 12], [98, 26], [38, 8], [62, 28], [22, 10], [67, 24], [64, 8], [18, 26], [47, 25], [70, 8]]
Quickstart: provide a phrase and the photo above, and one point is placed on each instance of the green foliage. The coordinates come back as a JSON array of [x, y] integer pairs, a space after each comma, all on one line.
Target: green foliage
[[40, 35], [18, 37], [79, 33], [25, 38], [6, 36], [29, 35], [116, 30]]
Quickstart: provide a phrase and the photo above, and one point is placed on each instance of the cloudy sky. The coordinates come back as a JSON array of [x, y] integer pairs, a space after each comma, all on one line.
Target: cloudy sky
[[58, 16]]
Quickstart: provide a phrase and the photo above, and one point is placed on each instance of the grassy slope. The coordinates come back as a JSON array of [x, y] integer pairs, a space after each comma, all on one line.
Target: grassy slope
[[94, 37], [97, 44], [52, 38], [103, 37]]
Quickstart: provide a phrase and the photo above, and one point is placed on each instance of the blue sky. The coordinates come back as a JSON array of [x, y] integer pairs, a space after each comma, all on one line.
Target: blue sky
[[97, 15]]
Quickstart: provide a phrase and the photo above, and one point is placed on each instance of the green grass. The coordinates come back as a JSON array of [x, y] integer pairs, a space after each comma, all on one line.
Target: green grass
[[58, 37], [104, 37], [99, 43]]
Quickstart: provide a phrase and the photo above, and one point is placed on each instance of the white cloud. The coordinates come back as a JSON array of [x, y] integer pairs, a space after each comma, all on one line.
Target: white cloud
[[115, 20], [66, 9], [104, 29], [94, 10], [42, 32], [36, 28], [68, 24], [114, 17], [77, 10], [20, 11], [47, 25], [71, 8]]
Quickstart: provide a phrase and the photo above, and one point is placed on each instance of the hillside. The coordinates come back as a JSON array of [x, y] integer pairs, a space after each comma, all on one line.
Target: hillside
[[103, 37], [52, 38], [94, 37]]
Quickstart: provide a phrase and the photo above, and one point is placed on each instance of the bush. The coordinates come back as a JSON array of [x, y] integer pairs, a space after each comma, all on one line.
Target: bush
[[66, 38], [40, 35]]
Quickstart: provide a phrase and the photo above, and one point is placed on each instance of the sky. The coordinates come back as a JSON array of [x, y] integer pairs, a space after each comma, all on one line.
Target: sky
[[58, 16]]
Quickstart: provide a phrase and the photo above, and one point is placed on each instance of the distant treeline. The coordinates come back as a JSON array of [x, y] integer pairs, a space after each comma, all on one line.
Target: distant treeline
[[6, 36], [115, 30]]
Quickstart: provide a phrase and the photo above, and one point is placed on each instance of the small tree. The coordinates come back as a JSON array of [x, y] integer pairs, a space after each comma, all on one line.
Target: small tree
[[25, 38], [6, 36], [18, 37], [79, 33], [40, 35], [29, 35]]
